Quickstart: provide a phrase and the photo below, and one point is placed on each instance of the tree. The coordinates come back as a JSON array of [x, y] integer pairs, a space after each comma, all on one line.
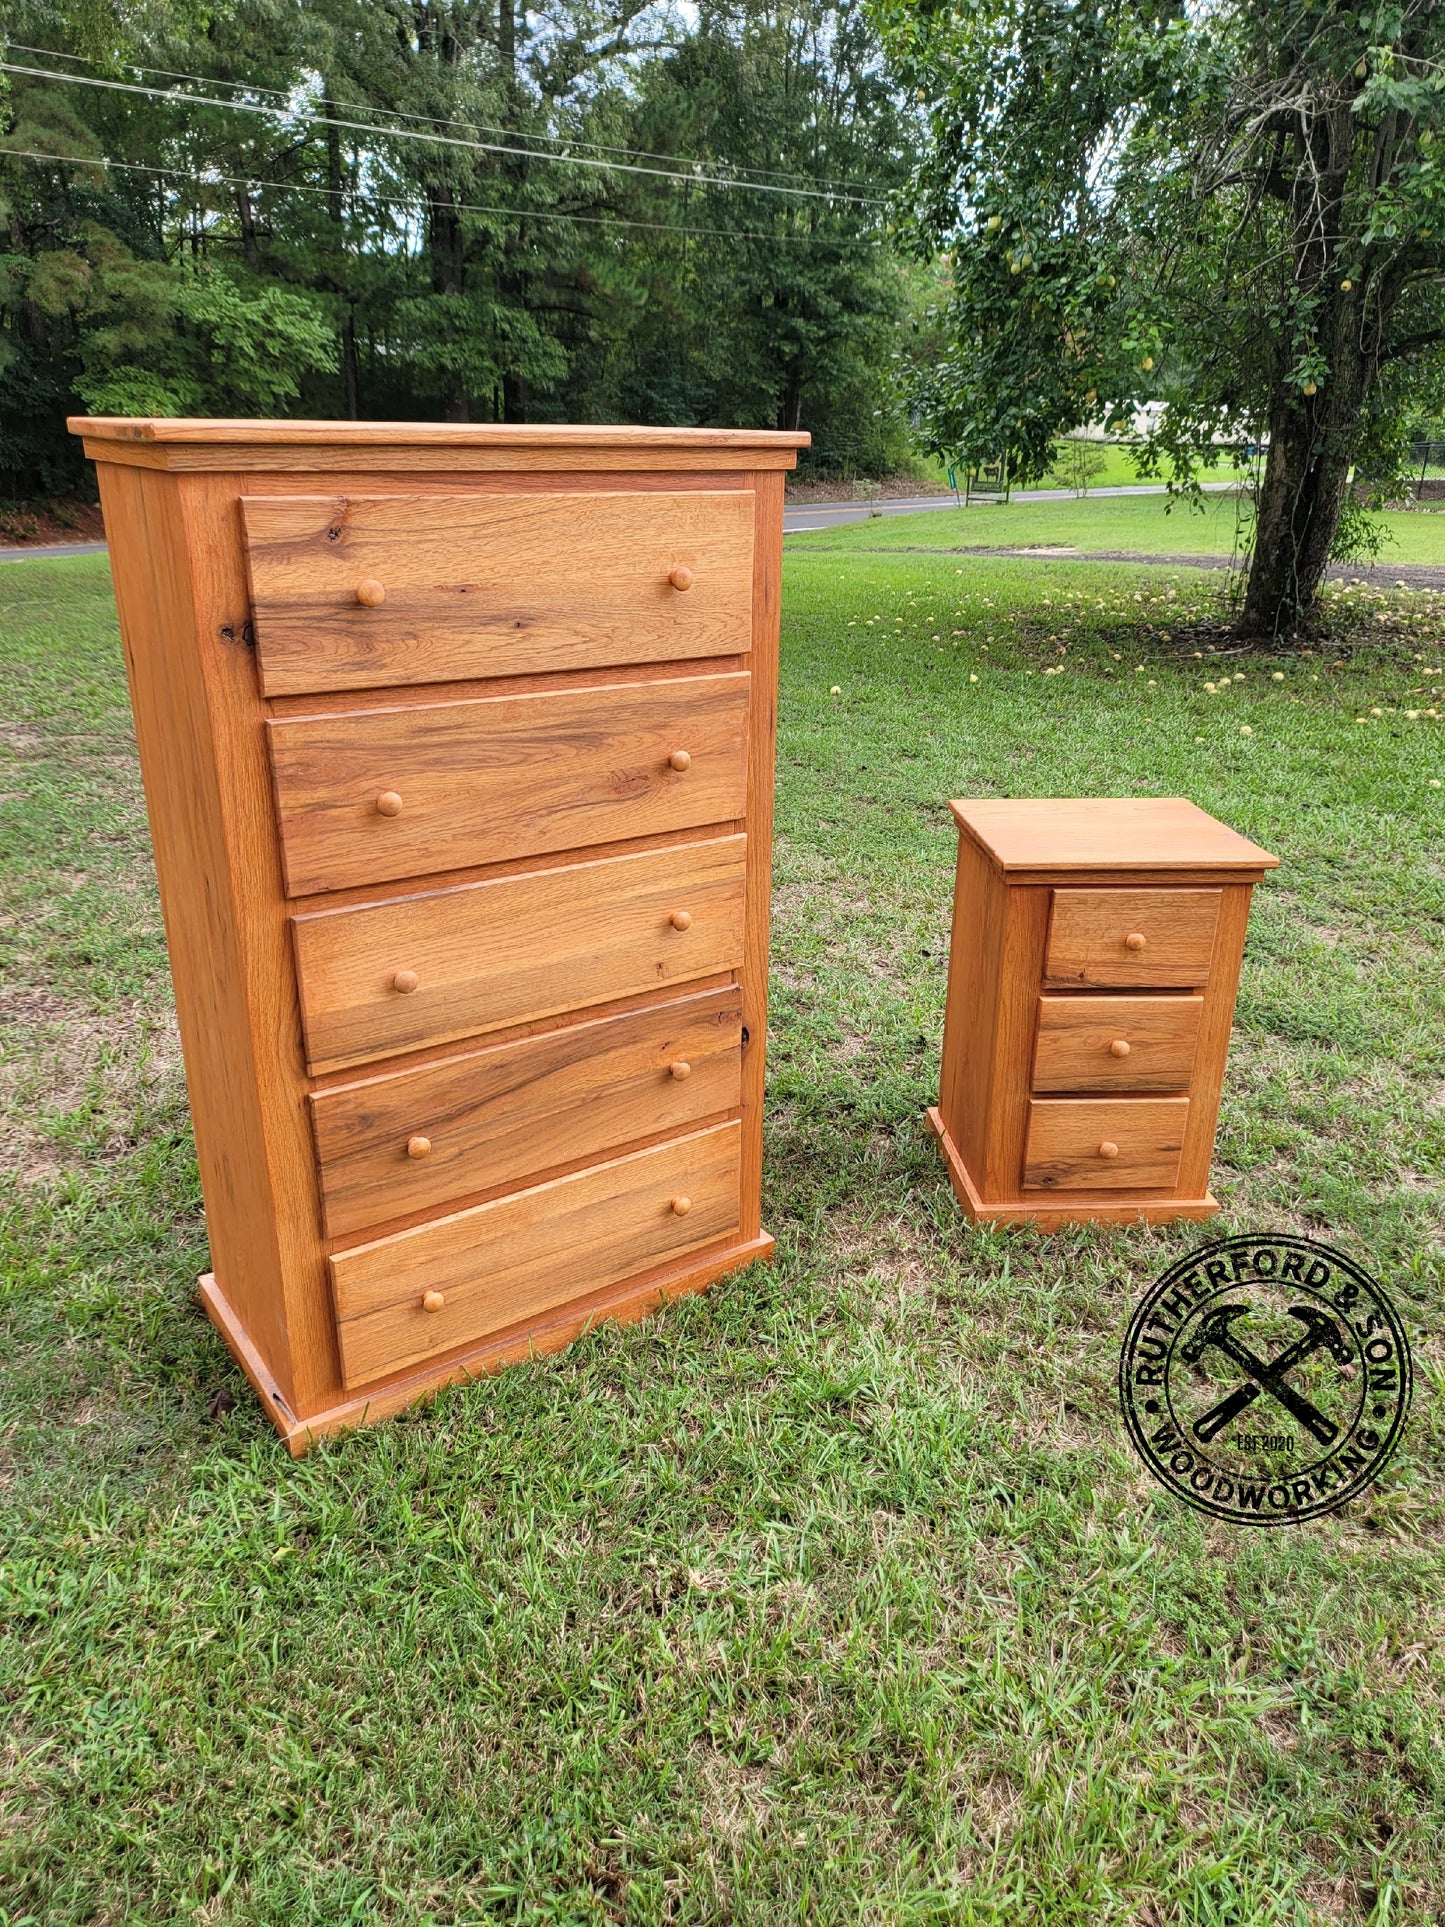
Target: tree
[[1237, 211], [478, 209]]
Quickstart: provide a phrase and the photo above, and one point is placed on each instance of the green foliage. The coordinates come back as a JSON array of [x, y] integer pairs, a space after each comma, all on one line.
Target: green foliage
[[1226, 221], [1077, 463], [230, 262]]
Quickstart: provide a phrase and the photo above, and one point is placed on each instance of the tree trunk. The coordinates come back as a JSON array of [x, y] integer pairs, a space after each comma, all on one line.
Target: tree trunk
[[246, 217], [1311, 448], [448, 252], [514, 398], [349, 367]]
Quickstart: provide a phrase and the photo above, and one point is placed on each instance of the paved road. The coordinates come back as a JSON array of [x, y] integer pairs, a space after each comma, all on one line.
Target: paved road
[[796, 520], [52, 549], [802, 517]]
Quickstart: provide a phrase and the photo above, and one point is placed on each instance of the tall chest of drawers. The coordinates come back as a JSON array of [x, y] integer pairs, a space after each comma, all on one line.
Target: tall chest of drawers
[[458, 754], [1092, 976]]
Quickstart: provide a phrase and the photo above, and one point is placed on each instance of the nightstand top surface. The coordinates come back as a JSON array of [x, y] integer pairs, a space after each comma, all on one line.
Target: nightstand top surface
[[1106, 833]]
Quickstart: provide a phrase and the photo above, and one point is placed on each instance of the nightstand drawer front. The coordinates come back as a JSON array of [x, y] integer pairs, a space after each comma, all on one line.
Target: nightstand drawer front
[[1116, 1043], [1155, 939], [382, 977], [363, 592], [416, 1140], [368, 795], [1104, 1144], [458, 1279]]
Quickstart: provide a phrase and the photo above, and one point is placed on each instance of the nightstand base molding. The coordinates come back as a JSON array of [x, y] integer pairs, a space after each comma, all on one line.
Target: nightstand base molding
[[1053, 1217]]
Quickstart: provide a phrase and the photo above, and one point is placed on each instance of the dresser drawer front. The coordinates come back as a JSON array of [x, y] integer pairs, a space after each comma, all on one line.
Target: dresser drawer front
[[368, 795], [1116, 1043], [1094, 937], [492, 584], [417, 1140], [502, 1263], [1070, 1139], [381, 977]]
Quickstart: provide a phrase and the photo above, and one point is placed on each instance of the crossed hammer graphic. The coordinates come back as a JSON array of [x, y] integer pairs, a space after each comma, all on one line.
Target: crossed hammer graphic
[[1215, 1328]]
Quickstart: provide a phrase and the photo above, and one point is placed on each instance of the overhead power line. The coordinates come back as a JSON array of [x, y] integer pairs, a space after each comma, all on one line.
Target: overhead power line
[[434, 120], [419, 203], [692, 178]]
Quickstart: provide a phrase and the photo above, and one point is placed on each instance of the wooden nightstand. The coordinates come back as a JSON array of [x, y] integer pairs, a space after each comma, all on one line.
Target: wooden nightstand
[[458, 749], [1095, 958]]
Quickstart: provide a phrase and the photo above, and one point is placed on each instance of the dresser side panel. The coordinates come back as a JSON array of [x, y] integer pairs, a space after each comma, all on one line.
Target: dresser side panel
[[1216, 1024], [975, 955], [1021, 967], [267, 981], [758, 886], [173, 669]]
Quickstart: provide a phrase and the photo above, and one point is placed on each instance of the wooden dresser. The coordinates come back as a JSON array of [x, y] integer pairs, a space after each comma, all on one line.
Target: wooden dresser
[[458, 753], [1095, 958]]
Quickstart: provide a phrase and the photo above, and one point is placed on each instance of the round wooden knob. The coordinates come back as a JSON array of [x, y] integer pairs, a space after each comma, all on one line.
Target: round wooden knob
[[680, 1070], [1119, 1047], [679, 760], [682, 578], [405, 981], [370, 593], [432, 1301], [1135, 940], [418, 1147], [681, 1206], [388, 804], [681, 919], [1108, 1149]]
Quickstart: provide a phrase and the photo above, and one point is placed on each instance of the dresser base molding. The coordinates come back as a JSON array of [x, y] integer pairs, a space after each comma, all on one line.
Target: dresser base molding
[[1053, 1217], [620, 1304]]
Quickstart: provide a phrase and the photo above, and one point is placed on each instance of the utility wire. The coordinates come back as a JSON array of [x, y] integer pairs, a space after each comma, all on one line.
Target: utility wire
[[432, 120], [694, 178], [419, 204]]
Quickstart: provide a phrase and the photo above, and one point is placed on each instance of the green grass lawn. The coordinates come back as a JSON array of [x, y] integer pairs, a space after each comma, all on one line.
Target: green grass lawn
[[1118, 470], [1137, 524], [833, 1596]]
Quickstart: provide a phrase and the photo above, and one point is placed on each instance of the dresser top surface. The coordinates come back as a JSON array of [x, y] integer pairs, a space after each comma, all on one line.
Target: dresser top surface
[[1105, 833], [581, 437]]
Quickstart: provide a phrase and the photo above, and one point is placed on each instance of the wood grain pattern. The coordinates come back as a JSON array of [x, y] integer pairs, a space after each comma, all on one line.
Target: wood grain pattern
[[970, 1029], [1076, 1049], [497, 1116], [1025, 928], [1215, 1024], [531, 1251], [1089, 932], [1161, 833], [514, 948], [635, 1298], [758, 881], [175, 515], [1065, 1133], [484, 781], [516, 440], [1048, 895], [182, 688], [1074, 1207], [490, 584]]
